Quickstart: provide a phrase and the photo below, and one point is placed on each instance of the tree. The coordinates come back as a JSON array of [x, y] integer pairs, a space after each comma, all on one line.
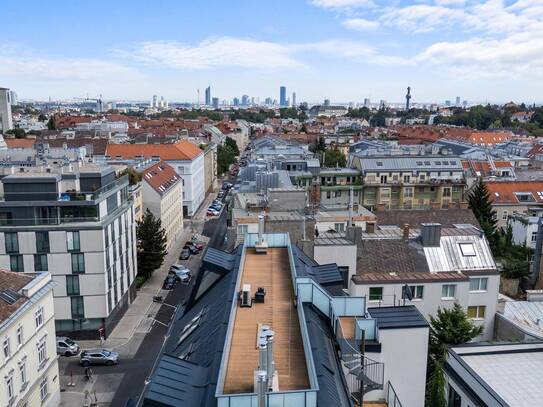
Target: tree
[[334, 158], [225, 158], [480, 204], [17, 132], [133, 176], [450, 327], [42, 117], [151, 244], [230, 142], [435, 391], [51, 124]]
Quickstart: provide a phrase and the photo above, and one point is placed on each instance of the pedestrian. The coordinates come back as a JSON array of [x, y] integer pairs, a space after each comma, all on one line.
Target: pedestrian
[[88, 373]]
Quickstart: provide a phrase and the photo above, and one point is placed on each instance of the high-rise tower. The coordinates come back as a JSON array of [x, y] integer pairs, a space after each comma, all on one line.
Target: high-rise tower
[[408, 98], [283, 96], [208, 96], [6, 121]]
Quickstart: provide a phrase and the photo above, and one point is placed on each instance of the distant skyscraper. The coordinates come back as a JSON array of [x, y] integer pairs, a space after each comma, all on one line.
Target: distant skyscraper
[[382, 104], [457, 102], [236, 102], [14, 99], [245, 100], [6, 121], [408, 98], [215, 103], [447, 103], [367, 102], [154, 102], [465, 104], [293, 99], [208, 96], [283, 96], [326, 102], [268, 101]]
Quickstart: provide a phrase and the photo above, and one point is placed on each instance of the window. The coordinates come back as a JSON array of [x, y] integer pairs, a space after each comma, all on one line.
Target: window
[[384, 179], [242, 229], [446, 192], [22, 371], [6, 346], [478, 284], [448, 291], [19, 336], [78, 263], [9, 387], [72, 285], [454, 399], [72, 241], [16, 263], [504, 215], [42, 242], [408, 192], [42, 353], [417, 292], [339, 227], [476, 312], [40, 262], [78, 308], [43, 389], [12, 242], [407, 179], [376, 293], [534, 236], [38, 317], [467, 249]]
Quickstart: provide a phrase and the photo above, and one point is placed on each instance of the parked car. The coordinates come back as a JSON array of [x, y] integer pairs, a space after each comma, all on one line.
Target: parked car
[[194, 249], [215, 206], [98, 356], [185, 253], [220, 194], [198, 245], [227, 185], [66, 347], [169, 282], [212, 212]]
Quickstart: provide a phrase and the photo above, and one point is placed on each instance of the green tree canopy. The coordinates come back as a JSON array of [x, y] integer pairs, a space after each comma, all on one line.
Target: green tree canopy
[[226, 156], [230, 142], [481, 205], [51, 124], [151, 244], [334, 158], [18, 133]]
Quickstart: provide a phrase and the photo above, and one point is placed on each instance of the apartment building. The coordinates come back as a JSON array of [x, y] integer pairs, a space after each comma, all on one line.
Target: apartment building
[[262, 327], [410, 182], [431, 267], [185, 158], [163, 196], [80, 226], [515, 197], [29, 373], [336, 184]]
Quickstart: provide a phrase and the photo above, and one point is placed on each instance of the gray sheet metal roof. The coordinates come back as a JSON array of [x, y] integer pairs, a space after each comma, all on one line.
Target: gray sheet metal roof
[[323, 274], [527, 315], [398, 317], [333, 390], [218, 260], [417, 163]]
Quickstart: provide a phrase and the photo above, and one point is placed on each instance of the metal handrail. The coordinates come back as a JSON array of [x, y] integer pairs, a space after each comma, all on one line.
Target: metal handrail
[[392, 398]]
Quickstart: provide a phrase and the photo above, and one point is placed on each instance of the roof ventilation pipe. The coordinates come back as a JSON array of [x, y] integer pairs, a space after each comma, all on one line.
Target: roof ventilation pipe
[[261, 387]]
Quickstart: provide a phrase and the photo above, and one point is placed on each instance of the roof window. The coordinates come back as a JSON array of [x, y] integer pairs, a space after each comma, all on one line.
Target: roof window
[[467, 249]]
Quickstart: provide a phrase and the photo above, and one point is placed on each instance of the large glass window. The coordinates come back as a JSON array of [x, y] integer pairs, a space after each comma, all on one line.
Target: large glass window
[[42, 242], [72, 285], [416, 291], [40, 262], [72, 241], [78, 308], [16, 263], [12, 242], [78, 263]]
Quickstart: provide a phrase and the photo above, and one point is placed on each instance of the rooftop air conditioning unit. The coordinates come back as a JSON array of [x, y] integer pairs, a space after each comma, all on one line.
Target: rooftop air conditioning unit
[[246, 300]]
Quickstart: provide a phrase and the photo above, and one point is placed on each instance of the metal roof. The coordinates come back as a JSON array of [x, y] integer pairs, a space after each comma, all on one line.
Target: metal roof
[[526, 314], [417, 163], [407, 316], [218, 260]]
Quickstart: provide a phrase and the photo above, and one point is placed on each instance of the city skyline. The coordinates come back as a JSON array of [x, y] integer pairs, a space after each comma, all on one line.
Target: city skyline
[[353, 49]]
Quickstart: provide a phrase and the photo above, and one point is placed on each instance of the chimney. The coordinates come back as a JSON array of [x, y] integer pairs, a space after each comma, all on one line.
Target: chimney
[[270, 364], [351, 199], [261, 384], [260, 227], [262, 353], [370, 227], [430, 234], [406, 231], [381, 207]]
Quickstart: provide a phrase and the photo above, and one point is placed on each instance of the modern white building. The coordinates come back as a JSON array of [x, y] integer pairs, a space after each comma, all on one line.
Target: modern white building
[[441, 266], [80, 226], [162, 192], [29, 373], [6, 120], [185, 158]]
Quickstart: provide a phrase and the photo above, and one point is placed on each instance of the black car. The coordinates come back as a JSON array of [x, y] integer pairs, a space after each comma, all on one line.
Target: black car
[[193, 249], [169, 282], [227, 185], [185, 253]]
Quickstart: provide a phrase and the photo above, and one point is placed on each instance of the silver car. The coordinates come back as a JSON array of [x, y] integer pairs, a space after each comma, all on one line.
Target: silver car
[[66, 347], [98, 357]]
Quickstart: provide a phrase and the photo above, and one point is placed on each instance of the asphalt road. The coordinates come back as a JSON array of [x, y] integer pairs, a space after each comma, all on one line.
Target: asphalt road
[[215, 229]]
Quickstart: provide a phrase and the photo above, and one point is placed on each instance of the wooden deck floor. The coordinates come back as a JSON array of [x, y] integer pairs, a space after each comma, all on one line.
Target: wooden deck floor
[[347, 327], [271, 271]]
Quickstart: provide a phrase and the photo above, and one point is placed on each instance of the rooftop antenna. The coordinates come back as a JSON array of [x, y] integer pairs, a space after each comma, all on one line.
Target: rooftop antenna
[[198, 92], [407, 98]]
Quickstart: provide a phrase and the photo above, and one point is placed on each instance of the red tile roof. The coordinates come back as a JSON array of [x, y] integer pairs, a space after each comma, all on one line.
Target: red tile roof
[[536, 149], [20, 142], [161, 177], [182, 150], [503, 193], [15, 282], [483, 167]]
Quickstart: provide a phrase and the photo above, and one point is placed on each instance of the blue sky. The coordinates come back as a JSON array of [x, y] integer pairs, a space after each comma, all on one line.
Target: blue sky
[[344, 50]]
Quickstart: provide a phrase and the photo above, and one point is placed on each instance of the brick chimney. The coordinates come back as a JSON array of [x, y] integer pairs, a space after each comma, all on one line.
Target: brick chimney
[[406, 231], [370, 227], [381, 207]]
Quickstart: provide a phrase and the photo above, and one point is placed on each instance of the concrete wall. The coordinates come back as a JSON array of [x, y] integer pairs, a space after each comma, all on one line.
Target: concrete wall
[[343, 256], [193, 175], [285, 200]]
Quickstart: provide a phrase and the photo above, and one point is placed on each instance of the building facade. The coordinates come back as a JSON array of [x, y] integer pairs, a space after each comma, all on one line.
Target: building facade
[[28, 360], [81, 227], [6, 120]]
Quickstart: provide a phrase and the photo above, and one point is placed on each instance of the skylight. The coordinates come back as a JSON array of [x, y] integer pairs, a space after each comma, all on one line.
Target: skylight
[[467, 249]]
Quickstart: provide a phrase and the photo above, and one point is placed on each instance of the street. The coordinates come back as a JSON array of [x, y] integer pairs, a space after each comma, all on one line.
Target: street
[[115, 385]]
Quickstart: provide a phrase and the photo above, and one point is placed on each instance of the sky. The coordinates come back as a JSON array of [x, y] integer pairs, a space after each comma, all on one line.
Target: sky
[[343, 50]]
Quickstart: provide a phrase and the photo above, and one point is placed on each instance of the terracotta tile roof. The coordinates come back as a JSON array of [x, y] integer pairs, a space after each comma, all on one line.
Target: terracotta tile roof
[[483, 167], [12, 281], [489, 137], [182, 150], [161, 177], [536, 149], [19, 142], [503, 192]]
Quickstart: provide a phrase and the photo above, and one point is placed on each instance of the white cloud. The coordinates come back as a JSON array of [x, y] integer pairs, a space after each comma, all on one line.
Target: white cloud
[[421, 18], [342, 4], [361, 24], [216, 52]]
